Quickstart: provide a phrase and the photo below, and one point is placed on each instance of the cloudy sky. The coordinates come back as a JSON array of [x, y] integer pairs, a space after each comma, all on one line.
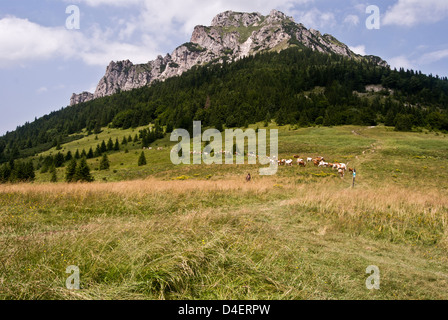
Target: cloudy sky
[[42, 62]]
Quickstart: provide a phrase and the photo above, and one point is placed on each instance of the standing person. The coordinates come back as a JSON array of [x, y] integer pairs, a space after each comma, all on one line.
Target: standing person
[[248, 178]]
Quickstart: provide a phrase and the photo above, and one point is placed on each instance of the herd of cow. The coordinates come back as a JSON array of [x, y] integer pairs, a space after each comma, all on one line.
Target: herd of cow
[[318, 162]]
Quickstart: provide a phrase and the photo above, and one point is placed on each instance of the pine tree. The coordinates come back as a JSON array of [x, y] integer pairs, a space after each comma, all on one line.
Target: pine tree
[[83, 153], [136, 138], [104, 163], [103, 147], [69, 156], [117, 145], [77, 156], [83, 172], [54, 176], [97, 151], [59, 160], [110, 145], [28, 171], [71, 171], [142, 160], [90, 153], [129, 138], [97, 129], [124, 141]]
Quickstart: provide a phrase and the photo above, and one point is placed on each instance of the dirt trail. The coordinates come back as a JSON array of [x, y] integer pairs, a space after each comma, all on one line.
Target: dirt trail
[[367, 153]]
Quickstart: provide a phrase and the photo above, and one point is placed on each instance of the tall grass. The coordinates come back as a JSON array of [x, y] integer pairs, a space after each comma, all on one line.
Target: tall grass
[[270, 239]]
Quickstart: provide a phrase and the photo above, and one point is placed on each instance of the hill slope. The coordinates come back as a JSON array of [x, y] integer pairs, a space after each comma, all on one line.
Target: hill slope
[[202, 232], [295, 86]]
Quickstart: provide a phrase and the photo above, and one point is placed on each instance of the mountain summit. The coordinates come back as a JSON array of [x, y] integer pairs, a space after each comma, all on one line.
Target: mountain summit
[[231, 36]]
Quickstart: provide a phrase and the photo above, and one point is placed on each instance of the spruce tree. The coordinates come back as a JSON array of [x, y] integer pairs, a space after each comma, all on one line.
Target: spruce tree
[[103, 147], [77, 155], [97, 151], [83, 153], [90, 153], [83, 171], [59, 160], [110, 145], [117, 145], [124, 141], [69, 156], [71, 171], [104, 163], [54, 176], [28, 171], [142, 160]]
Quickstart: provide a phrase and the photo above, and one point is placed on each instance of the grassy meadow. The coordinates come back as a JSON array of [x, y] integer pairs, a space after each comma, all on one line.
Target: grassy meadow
[[201, 232]]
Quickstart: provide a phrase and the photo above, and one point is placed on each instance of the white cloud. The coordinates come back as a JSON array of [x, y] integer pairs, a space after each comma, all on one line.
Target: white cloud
[[359, 50], [412, 12], [156, 24], [434, 56], [401, 62], [315, 18], [352, 20], [115, 3], [23, 41], [174, 16], [42, 90]]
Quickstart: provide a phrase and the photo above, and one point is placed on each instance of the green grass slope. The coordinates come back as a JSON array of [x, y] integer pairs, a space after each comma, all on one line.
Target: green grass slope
[[201, 232]]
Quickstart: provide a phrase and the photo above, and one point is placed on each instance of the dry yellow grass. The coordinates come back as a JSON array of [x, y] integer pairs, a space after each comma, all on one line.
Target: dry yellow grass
[[212, 239], [142, 187]]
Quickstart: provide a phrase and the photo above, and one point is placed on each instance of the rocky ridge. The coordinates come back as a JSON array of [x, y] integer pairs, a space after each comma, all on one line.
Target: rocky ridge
[[231, 36]]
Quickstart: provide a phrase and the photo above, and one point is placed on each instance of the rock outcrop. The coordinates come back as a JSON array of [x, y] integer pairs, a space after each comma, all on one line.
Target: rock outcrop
[[82, 97], [231, 36]]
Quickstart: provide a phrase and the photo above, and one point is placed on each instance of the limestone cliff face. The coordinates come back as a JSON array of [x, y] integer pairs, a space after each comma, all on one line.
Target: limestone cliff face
[[232, 36], [82, 97]]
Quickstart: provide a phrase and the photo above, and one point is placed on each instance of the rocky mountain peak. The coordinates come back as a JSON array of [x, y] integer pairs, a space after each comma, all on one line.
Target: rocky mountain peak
[[231, 36], [236, 19], [277, 16]]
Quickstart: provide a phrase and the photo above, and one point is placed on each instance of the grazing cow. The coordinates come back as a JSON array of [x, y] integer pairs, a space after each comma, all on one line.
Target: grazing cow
[[350, 170], [309, 159], [323, 164], [341, 173], [281, 162], [288, 162], [248, 178], [296, 157], [316, 163], [301, 163]]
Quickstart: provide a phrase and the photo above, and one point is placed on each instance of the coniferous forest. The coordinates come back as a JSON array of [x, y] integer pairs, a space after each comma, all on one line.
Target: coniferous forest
[[299, 87]]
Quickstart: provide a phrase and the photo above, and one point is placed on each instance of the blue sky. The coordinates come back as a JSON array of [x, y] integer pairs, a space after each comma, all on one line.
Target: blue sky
[[42, 62]]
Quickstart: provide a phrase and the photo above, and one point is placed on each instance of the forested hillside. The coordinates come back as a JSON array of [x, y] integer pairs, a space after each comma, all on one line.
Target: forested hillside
[[295, 86]]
